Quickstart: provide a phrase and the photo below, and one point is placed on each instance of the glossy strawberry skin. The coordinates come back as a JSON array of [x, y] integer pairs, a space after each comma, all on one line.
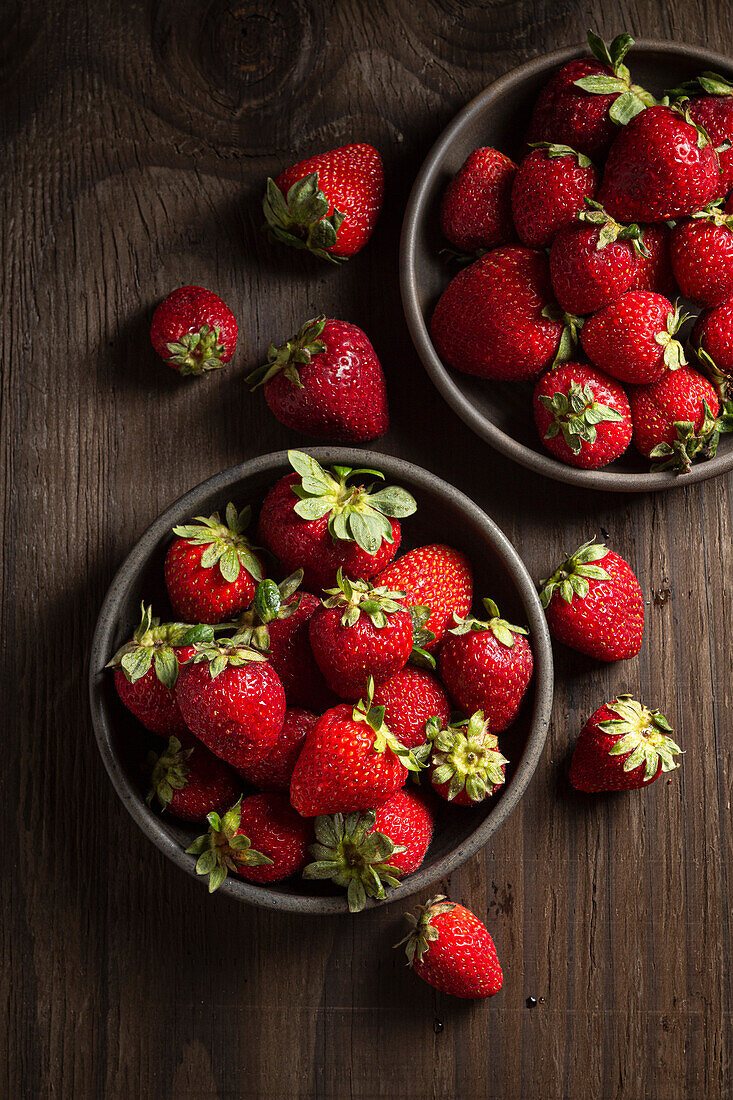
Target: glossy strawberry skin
[[339, 771], [274, 771], [713, 332], [199, 595], [715, 114], [291, 656], [352, 179], [406, 819], [276, 830], [677, 396], [186, 310], [342, 395], [620, 339], [592, 769], [476, 210], [488, 321], [349, 655], [702, 260], [151, 702], [480, 673], [548, 194], [654, 271], [612, 437], [211, 786], [435, 576], [571, 116], [586, 278], [410, 697], [308, 544], [462, 961]]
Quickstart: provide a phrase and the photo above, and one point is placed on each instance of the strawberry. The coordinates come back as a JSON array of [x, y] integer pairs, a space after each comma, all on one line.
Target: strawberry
[[274, 771], [410, 697], [327, 382], [712, 338], [660, 166], [702, 256], [194, 331], [451, 949], [676, 420], [582, 415], [328, 204], [594, 604], [260, 839], [211, 569], [434, 576], [587, 100], [190, 782], [495, 319], [487, 666], [351, 760], [365, 852], [232, 699], [466, 765], [360, 632], [550, 189], [318, 520], [476, 210], [623, 746], [633, 339], [654, 264], [713, 112]]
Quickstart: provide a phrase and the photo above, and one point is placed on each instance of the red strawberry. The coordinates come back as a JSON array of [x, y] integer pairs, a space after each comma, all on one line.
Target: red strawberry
[[211, 569], [327, 382], [329, 203], [582, 415], [232, 699], [676, 420], [654, 265], [487, 666], [633, 338], [365, 852], [274, 771], [319, 521], [660, 166], [476, 210], [360, 632], [410, 697], [494, 318], [713, 111], [466, 765], [550, 189], [451, 949], [712, 337], [194, 331], [702, 256], [190, 782], [261, 839], [621, 747], [594, 604], [350, 761], [435, 576]]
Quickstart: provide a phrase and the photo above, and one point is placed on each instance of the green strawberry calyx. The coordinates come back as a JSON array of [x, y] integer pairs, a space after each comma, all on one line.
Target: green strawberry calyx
[[227, 653], [421, 931], [576, 414], [225, 543], [168, 772], [554, 151], [197, 352], [674, 353], [366, 711], [272, 603], [154, 644], [298, 351], [693, 446], [643, 737], [609, 230], [359, 598], [356, 513], [223, 848], [301, 217], [503, 631], [682, 108], [466, 756], [571, 578], [631, 99], [715, 214], [350, 853], [710, 83], [571, 326]]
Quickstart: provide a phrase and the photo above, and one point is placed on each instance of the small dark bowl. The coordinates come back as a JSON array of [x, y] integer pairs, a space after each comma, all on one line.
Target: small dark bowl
[[501, 412], [443, 513]]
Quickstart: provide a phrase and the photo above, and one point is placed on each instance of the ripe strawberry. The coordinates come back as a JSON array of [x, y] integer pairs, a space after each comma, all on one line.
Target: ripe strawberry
[[190, 782], [360, 632], [328, 204], [487, 666], [633, 338], [654, 265], [476, 210], [211, 569], [194, 331], [550, 189], [319, 521], [410, 697], [434, 576], [713, 111], [582, 415], [660, 166], [676, 420], [232, 699], [712, 338], [495, 318], [466, 765], [451, 949], [702, 256], [274, 771], [587, 100], [261, 839], [351, 760], [365, 852], [327, 382], [621, 747], [594, 604]]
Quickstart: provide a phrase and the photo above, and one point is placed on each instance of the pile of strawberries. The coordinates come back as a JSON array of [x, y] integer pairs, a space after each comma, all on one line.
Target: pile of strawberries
[[576, 256]]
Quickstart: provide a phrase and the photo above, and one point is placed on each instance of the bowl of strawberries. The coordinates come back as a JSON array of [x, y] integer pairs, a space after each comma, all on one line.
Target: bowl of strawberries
[[567, 264], [303, 687]]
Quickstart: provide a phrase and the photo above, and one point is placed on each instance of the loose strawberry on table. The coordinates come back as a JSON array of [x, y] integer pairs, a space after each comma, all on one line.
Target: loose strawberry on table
[[410, 698], [702, 256], [476, 211], [194, 331], [622, 747], [633, 339], [274, 771], [435, 576], [466, 764], [190, 782], [677, 421], [582, 415], [550, 189]]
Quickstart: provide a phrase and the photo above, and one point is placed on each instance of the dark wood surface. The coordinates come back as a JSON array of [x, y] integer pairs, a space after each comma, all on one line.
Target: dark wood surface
[[136, 140]]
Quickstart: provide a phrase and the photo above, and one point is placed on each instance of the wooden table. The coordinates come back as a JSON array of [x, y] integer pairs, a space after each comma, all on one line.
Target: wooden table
[[136, 141]]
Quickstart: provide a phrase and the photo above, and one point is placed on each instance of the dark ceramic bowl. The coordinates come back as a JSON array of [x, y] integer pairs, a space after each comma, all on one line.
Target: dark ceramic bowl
[[442, 513], [501, 413]]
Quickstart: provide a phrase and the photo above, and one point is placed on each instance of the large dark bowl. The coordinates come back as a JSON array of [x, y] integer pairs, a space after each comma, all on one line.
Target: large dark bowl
[[443, 513], [501, 413]]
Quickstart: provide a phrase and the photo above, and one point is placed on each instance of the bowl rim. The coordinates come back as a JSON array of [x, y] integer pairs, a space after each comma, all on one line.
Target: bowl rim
[[443, 378], [276, 462]]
